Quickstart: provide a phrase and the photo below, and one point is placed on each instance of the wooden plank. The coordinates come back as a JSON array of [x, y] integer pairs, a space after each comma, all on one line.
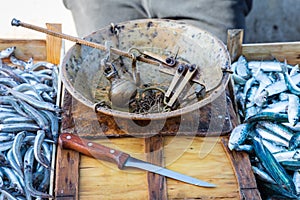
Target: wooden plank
[[234, 43], [102, 180], [53, 47], [26, 48], [157, 185], [202, 158], [66, 179], [243, 170], [266, 51], [234, 46], [67, 162], [53, 44]]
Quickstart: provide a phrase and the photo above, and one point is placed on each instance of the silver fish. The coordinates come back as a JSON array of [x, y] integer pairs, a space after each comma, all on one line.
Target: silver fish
[[296, 179], [7, 52], [264, 176], [291, 85], [293, 109], [238, 135]]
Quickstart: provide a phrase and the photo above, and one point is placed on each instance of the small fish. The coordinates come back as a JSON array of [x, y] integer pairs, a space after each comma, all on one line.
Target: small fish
[[266, 65], [278, 129], [277, 107], [271, 136], [268, 116], [276, 171], [281, 86], [262, 175], [288, 155], [7, 52], [16, 148], [296, 179], [291, 85], [238, 135], [28, 174], [294, 142], [293, 109], [37, 148], [291, 165], [242, 69]]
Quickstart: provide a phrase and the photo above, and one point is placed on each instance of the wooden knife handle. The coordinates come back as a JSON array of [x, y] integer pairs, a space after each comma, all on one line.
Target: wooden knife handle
[[92, 149]]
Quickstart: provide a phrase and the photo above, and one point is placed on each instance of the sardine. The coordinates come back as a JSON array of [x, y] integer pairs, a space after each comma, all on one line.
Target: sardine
[[266, 65], [268, 116], [28, 173], [277, 129], [287, 155], [241, 68], [262, 175], [272, 137], [238, 135], [16, 148], [276, 171], [293, 109], [294, 142], [37, 147], [296, 179], [7, 52], [291, 85]]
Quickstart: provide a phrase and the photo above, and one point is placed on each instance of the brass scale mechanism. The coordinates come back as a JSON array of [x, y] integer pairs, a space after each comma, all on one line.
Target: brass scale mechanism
[[123, 91]]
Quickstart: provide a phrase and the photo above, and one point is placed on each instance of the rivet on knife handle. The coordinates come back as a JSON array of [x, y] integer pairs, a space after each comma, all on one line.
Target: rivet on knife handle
[[88, 148]]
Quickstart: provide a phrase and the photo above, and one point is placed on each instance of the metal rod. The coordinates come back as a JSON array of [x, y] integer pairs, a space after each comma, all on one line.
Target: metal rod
[[16, 22]]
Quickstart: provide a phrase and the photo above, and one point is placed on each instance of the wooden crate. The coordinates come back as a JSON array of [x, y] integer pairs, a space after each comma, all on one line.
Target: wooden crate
[[206, 158], [48, 49], [80, 177]]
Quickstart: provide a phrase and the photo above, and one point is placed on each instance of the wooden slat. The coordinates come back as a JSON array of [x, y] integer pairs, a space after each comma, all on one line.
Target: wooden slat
[[234, 46], [245, 176], [234, 43], [52, 44], [188, 155], [157, 185], [67, 162], [239, 160], [26, 48], [53, 47], [103, 180], [266, 51], [66, 177]]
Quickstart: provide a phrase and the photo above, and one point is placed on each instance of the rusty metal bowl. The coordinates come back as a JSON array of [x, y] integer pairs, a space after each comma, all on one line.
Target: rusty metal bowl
[[83, 76]]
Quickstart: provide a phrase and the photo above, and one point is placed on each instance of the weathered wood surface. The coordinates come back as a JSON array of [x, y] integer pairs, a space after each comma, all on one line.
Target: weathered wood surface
[[67, 162], [53, 46], [240, 160], [102, 180], [234, 43], [92, 125], [26, 48], [53, 53], [99, 179], [154, 149], [242, 167], [270, 51]]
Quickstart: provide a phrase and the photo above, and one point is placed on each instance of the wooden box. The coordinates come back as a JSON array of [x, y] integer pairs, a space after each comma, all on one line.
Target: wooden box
[[206, 158], [50, 50]]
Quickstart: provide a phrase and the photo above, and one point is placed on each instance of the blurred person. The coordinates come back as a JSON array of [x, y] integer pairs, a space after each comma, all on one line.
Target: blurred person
[[214, 16]]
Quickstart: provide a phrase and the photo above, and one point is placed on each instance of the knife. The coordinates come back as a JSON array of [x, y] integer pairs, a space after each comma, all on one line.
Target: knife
[[122, 159]]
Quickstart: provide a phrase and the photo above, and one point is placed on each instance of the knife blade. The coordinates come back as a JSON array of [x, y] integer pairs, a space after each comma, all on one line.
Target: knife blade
[[122, 159]]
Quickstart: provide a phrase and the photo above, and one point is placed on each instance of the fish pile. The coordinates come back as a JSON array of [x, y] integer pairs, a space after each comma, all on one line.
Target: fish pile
[[29, 125], [267, 97]]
